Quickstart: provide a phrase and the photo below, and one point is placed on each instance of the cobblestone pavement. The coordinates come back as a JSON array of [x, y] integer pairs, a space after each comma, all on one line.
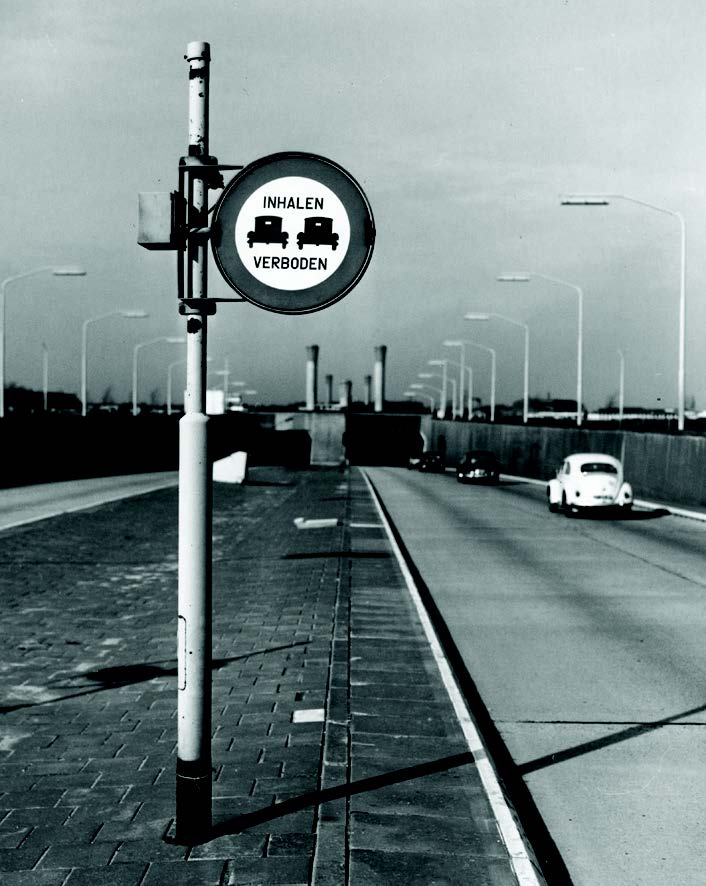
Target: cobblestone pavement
[[337, 758]]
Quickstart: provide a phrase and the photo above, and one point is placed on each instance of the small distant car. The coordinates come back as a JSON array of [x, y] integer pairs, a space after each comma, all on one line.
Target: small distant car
[[589, 480], [268, 229], [479, 465], [432, 463], [318, 231]]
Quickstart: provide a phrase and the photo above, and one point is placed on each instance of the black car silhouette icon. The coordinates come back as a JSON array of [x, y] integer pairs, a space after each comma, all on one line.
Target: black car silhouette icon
[[268, 229], [317, 231]]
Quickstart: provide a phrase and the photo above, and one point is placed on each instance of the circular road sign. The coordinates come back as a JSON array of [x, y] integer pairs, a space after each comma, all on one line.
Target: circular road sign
[[292, 233]]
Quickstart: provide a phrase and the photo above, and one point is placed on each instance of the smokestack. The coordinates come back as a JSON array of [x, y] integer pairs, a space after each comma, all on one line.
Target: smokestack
[[344, 394], [368, 389], [379, 377], [329, 391], [312, 365]]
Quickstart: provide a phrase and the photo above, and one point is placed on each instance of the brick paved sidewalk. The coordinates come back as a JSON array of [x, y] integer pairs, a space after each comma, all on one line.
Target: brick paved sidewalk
[[379, 790]]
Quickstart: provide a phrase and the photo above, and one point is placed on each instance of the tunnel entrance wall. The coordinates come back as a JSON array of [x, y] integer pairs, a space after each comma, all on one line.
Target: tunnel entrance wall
[[382, 438]]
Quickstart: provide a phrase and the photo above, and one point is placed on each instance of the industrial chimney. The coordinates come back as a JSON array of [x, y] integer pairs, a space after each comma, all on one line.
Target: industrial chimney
[[312, 366], [344, 394], [368, 390], [379, 377], [329, 391]]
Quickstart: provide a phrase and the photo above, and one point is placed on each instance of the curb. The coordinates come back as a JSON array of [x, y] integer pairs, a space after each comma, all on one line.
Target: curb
[[524, 865]]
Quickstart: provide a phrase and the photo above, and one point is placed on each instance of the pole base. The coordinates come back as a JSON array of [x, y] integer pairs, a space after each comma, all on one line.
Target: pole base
[[193, 804]]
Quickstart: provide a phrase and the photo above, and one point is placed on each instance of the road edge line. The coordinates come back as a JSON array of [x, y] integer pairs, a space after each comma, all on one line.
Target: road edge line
[[640, 502], [523, 866]]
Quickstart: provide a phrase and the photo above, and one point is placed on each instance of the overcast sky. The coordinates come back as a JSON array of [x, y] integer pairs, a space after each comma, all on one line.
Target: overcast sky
[[464, 122]]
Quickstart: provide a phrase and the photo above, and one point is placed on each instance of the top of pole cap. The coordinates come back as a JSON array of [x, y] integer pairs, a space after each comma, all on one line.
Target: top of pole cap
[[197, 49]]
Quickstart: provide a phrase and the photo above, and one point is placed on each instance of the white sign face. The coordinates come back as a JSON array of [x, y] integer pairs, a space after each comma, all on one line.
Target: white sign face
[[292, 233]]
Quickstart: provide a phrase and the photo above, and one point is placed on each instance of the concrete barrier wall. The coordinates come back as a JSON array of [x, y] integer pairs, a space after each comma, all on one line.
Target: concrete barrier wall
[[659, 466], [45, 449], [35, 450], [325, 429]]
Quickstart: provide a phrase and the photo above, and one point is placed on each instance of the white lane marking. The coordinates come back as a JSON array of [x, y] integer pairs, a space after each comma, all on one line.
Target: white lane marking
[[102, 499], [519, 857], [678, 512], [312, 715], [321, 523], [640, 502]]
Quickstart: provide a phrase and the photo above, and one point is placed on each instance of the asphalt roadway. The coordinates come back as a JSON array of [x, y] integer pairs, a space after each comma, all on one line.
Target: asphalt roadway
[[585, 640]]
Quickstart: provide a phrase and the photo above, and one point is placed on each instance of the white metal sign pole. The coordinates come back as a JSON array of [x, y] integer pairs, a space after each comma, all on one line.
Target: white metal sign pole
[[193, 774]]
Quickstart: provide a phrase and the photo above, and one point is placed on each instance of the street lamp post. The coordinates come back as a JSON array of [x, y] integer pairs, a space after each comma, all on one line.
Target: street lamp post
[[170, 369], [454, 397], [525, 398], [45, 376], [172, 340], [493, 363], [422, 394], [525, 277], [444, 397], [419, 386], [604, 200], [225, 372], [58, 271], [621, 387], [222, 372], [128, 314], [458, 344], [469, 404], [451, 381], [247, 392], [231, 386], [491, 351]]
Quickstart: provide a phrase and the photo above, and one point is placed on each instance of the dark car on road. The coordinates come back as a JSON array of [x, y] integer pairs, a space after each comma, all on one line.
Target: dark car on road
[[479, 465], [432, 463], [268, 229], [318, 231]]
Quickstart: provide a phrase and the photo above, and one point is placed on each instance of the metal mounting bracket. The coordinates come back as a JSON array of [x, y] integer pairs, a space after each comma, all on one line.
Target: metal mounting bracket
[[193, 232]]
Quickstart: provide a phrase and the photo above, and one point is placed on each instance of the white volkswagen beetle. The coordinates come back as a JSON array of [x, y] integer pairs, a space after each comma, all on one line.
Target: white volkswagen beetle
[[589, 480]]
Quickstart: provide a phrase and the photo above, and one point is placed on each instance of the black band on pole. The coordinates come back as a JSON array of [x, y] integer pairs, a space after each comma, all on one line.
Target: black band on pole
[[193, 802]]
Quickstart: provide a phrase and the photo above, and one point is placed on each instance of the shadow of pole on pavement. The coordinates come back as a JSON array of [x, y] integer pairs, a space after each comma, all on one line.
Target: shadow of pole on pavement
[[118, 676], [605, 741], [239, 823]]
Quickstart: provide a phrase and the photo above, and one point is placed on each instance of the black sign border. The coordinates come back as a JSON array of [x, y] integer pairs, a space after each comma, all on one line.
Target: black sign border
[[344, 278]]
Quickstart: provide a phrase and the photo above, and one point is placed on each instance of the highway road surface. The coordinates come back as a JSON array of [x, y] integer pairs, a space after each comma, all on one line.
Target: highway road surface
[[25, 504], [586, 638]]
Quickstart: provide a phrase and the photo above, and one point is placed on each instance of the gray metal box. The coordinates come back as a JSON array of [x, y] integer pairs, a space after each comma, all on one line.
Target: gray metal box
[[156, 219]]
